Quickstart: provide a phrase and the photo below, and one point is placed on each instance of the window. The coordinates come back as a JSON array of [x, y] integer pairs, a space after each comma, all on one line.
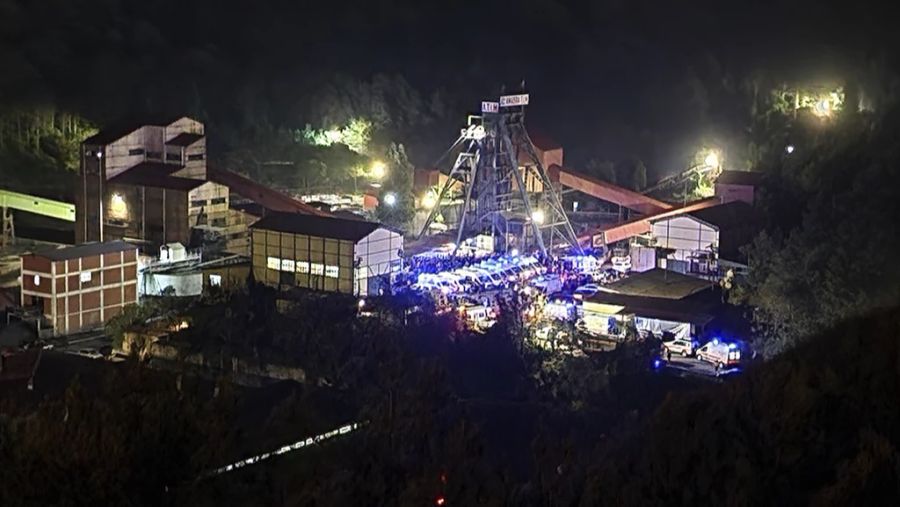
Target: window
[[196, 156], [218, 222], [273, 263], [136, 151], [196, 203], [287, 265], [317, 269], [85, 276], [175, 157], [217, 200], [331, 271], [154, 155], [215, 280], [302, 267], [37, 280]]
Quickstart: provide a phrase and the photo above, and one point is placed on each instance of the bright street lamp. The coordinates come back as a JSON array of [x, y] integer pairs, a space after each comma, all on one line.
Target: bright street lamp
[[428, 200], [379, 169], [712, 159], [390, 198], [789, 149], [537, 216]]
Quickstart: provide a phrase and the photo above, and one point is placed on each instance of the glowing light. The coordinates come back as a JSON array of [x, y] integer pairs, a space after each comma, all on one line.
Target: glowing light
[[822, 108], [118, 208], [514, 252], [390, 199], [440, 501], [656, 364], [333, 136], [379, 169], [537, 216], [361, 303], [428, 200], [712, 159], [789, 148]]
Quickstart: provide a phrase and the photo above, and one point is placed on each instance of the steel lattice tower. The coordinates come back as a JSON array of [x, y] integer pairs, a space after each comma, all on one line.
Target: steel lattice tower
[[495, 162]]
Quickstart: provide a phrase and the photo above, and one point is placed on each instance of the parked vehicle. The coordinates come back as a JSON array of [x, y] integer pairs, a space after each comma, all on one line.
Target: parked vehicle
[[720, 353], [681, 347], [586, 290]]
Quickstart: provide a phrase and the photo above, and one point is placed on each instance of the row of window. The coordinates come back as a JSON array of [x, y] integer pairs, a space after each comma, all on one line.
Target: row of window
[[157, 155], [196, 203], [304, 267], [84, 277]]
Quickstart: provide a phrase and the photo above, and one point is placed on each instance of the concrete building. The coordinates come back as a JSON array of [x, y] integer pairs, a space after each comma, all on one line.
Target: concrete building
[[322, 253], [226, 273], [705, 241], [738, 186], [80, 287], [148, 183]]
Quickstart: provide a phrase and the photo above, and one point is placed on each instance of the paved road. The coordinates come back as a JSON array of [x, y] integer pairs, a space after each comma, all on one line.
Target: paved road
[[684, 366]]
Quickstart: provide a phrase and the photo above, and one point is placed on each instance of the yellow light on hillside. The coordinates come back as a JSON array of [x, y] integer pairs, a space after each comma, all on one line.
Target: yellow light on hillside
[[379, 169], [428, 200]]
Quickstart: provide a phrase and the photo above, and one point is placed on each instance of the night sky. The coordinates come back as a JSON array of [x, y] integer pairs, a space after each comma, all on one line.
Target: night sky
[[609, 80]]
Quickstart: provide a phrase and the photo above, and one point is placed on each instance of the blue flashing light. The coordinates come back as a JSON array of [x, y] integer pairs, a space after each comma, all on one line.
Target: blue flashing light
[[657, 364], [715, 341], [732, 346]]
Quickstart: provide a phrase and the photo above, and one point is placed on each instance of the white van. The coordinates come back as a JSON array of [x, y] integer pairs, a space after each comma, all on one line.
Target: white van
[[720, 353]]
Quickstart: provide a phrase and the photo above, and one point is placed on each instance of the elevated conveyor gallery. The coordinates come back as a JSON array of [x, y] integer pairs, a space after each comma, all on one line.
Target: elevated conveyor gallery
[[607, 191]]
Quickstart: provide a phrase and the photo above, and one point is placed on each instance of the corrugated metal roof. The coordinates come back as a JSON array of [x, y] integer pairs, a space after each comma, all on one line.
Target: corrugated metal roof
[[660, 283], [156, 175], [122, 128], [322, 227], [85, 250], [677, 310]]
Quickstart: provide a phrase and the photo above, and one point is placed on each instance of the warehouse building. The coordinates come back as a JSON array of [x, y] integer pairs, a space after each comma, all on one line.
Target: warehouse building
[[80, 287], [654, 302], [706, 241], [322, 253]]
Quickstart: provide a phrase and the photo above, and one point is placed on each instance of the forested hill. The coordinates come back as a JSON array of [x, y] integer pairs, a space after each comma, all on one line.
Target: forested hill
[[819, 425]]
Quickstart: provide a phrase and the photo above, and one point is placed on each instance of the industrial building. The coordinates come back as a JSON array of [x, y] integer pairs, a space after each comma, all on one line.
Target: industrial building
[[656, 301], [80, 287], [150, 183], [322, 253], [706, 240]]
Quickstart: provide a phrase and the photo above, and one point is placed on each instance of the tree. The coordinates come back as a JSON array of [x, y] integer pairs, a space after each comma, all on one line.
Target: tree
[[399, 184]]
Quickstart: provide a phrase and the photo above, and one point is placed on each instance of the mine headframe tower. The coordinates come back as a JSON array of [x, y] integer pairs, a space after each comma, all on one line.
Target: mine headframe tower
[[496, 164]]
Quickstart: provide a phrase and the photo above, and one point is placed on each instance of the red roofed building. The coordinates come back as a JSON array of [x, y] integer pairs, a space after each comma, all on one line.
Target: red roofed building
[[80, 287]]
